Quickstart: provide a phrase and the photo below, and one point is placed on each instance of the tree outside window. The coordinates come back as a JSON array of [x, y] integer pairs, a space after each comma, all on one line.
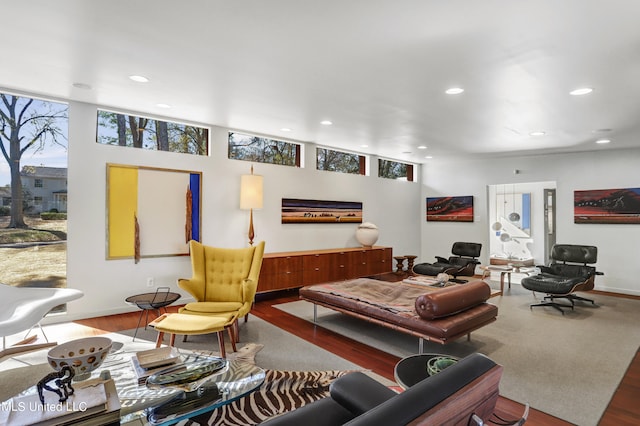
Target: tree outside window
[[140, 132], [263, 150], [338, 161], [33, 143], [395, 170]]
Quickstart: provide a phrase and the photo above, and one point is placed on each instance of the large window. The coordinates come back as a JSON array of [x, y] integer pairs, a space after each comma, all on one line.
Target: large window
[[338, 161], [146, 133], [33, 144], [263, 150], [395, 170]]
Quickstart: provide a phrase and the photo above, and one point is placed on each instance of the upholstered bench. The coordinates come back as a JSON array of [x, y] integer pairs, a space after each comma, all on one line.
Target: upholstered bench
[[439, 315], [188, 324]]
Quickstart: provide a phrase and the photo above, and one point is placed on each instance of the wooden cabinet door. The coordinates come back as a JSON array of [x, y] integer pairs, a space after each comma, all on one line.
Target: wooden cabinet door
[[318, 268], [280, 273]]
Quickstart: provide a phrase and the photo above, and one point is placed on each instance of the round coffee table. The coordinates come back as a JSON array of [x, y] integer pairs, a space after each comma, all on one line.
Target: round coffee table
[[413, 369], [161, 298]]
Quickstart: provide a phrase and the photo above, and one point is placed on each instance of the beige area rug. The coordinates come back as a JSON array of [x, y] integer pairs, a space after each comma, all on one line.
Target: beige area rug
[[567, 366]]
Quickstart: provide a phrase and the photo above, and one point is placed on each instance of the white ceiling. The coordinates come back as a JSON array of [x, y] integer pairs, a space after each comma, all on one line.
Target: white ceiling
[[377, 69]]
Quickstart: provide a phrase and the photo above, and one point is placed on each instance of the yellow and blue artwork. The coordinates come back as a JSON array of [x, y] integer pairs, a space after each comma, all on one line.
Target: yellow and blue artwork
[[151, 212]]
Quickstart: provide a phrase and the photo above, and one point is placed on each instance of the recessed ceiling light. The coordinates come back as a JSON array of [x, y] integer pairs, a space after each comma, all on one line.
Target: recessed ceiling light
[[428, 157], [537, 133], [285, 129], [82, 86], [603, 141], [326, 123], [454, 91], [364, 146], [581, 91], [422, 147], [163, 105], [139, 78]]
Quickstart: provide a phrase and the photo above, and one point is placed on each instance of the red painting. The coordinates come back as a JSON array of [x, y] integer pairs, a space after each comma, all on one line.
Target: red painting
[[450, 209], [607, 206]]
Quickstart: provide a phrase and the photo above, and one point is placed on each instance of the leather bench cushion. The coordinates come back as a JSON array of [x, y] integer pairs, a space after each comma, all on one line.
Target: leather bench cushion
[[451, 300], [446, 328]]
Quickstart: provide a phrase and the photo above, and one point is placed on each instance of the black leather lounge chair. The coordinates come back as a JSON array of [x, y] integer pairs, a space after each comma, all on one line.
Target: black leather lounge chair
[[567, 273], [463, 262]]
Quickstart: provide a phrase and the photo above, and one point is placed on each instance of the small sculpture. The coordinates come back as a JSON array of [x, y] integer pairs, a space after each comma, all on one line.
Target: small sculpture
[[61, 379]]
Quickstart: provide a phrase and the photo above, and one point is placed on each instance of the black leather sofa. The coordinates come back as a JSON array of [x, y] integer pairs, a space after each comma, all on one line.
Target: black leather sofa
[[451, 397]]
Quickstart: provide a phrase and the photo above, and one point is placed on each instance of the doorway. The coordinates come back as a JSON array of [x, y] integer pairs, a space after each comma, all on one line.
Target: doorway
[[521, 221]]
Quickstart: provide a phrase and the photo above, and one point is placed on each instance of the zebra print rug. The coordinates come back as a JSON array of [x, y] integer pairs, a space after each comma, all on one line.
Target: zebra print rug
[[282, 391]]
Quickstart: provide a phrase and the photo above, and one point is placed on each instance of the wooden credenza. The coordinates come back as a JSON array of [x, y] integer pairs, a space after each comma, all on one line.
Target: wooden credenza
[[286, 270]]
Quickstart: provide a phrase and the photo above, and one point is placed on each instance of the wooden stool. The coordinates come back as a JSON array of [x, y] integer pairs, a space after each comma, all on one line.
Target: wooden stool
[[188, 324]]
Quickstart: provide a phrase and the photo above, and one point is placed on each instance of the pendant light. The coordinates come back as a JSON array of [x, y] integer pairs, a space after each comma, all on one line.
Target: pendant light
[[514, 216], [504, 237], [496, 226]]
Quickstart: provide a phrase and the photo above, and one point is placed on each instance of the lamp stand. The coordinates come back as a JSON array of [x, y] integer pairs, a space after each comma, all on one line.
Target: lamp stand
[[251, 233]]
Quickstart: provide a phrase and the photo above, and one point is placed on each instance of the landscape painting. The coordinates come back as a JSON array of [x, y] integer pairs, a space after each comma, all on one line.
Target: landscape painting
[[620, 206], [313, 211], [450, 209]]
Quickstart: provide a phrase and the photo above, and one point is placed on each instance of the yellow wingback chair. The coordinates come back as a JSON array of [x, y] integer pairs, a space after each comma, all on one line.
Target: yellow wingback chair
[[224, 280]]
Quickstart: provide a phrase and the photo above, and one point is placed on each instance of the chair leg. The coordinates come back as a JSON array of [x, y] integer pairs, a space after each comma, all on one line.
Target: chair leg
[[236, 330], [549, 301], [221, 343], [576, 297], [159, 339], [232, 337]]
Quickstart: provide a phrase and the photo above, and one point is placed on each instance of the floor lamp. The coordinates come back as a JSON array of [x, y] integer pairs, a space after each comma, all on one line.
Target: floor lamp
[[251, 197]]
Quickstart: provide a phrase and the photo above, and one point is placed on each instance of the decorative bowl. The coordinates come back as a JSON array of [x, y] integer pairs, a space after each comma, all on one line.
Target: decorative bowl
[[84, 355], [439, 363]]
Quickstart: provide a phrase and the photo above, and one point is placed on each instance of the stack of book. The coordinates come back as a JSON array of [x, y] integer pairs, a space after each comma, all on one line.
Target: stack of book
[[147, 363]]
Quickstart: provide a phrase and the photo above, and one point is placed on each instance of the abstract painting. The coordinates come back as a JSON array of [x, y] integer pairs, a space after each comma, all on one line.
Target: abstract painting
[[313, 211], [450, 209], [607, 206]]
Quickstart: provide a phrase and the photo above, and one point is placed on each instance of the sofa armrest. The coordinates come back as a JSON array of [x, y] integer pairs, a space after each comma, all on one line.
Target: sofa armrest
[[416, 401], [323, 412], [359, 393]]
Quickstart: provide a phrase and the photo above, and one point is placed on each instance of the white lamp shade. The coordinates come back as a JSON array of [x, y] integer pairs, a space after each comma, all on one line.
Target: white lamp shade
[[251, 192]]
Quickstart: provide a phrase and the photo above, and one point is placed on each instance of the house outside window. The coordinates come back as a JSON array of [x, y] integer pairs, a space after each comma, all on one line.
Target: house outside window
[[48, 185]]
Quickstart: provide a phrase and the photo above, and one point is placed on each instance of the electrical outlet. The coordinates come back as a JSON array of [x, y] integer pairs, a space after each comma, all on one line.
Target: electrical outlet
[[151, 282]]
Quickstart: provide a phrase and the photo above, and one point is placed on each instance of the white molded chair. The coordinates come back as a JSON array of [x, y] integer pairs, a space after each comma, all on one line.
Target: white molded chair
[[22, 308]]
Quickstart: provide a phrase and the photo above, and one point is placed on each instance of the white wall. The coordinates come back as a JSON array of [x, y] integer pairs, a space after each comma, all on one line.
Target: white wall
[[618, 245], [392, 205]]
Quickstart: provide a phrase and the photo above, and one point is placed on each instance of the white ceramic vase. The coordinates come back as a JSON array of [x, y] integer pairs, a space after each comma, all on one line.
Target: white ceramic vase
[[367, 234]]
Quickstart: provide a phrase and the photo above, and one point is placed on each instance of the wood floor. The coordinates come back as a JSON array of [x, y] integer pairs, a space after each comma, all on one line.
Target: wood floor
[[622, 410]]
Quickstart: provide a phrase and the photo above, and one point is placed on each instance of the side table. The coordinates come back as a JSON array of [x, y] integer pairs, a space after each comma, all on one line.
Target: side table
[[413, 369], [505, 270], [152, 302]]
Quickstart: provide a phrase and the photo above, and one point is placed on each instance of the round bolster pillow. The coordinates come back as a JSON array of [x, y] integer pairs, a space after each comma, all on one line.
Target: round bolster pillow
[[451, 300]]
